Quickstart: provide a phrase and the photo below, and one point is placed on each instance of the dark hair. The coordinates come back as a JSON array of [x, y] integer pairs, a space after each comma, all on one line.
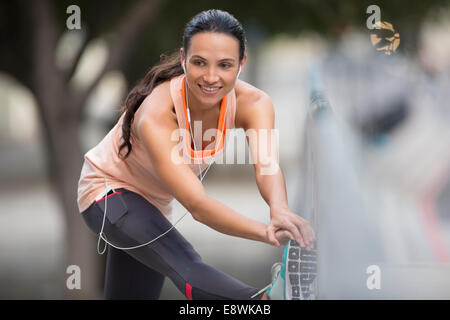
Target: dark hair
[[170, 66], [215, 21]]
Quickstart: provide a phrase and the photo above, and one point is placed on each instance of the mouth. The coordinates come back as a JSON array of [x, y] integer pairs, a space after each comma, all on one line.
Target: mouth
[[209, 90]]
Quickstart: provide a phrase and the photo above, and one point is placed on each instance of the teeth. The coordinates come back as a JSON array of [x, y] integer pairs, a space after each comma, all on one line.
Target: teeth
[[210, 89]]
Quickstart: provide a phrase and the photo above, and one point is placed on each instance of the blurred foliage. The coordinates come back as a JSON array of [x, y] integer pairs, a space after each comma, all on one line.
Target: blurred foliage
[[266, 18], [261, 19]]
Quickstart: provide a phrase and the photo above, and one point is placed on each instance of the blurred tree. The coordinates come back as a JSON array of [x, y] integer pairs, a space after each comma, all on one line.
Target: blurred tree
[[31, 30], [137, 33]]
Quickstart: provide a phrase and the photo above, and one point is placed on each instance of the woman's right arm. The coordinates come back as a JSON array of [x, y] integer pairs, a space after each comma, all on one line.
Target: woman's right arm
[[155, 127]]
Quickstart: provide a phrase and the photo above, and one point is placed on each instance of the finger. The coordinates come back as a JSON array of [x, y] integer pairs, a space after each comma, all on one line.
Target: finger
[[289, 223], [311, 235], [307, 234], [284, 236], [291, 227], [306, 230], [288, 235], [272, 239]]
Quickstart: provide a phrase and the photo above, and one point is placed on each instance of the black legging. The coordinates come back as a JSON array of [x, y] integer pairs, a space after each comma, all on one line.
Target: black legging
[[139, 273]]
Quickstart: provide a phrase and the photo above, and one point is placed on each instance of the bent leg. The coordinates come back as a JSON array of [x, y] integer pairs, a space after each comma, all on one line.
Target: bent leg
[[127, 278], [171, 255]]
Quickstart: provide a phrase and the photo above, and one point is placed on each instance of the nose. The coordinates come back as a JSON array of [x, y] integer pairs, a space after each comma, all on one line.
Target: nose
[[211, 76]]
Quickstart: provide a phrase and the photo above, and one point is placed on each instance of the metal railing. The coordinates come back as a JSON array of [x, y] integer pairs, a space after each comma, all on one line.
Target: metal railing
[[351, 244], [347, 241]]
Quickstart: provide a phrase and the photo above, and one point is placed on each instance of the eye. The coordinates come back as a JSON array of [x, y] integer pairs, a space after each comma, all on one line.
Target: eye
[[226, 65], [198, 63]]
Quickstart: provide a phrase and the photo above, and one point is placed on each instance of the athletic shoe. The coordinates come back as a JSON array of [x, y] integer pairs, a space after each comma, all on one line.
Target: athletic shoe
[[276, 267], [294, 278], [301, 272]]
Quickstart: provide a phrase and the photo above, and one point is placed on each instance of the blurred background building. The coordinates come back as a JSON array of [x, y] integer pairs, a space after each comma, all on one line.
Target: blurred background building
[[389, 139]]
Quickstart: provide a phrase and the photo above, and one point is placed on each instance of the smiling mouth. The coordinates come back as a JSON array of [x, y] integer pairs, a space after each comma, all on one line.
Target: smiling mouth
[[209, 90]]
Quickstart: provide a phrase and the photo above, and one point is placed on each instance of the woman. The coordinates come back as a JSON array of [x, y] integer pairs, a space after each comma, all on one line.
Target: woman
[[139, 160]]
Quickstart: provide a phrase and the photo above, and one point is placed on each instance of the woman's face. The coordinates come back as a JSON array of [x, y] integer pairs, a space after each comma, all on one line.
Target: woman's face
[[212, 64]]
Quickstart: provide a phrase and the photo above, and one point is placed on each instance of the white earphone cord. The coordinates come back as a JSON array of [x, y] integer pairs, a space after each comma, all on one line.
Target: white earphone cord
[[102, 236]]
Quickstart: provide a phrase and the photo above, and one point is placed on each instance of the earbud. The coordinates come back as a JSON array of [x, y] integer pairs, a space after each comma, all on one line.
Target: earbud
[[239, 72]]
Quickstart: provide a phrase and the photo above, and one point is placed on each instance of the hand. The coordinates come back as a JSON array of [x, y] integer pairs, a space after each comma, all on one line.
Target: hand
[[283, 236], [291, 225]]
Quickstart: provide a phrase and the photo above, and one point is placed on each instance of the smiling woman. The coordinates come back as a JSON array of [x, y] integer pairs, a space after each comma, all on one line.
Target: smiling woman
[[211, 74], [126, 197]]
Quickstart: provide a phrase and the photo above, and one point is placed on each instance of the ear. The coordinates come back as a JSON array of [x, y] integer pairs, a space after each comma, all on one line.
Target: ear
[[243, 62], [182, 56], [182, 59]]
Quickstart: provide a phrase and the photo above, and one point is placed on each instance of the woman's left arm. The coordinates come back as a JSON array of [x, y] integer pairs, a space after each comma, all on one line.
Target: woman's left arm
[[258, 122]]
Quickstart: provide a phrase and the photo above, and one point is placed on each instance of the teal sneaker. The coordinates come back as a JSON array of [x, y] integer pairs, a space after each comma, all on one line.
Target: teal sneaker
[[295, 277]]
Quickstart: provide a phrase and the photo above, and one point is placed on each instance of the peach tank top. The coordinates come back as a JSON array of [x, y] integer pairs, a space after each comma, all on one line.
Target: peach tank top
[[136, 173]]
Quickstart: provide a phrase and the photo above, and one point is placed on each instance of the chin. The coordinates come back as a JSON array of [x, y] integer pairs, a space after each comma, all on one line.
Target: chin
[[211, 99]]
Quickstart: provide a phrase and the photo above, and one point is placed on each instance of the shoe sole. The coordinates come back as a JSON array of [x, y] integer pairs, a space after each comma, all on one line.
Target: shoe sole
[[301, 272]]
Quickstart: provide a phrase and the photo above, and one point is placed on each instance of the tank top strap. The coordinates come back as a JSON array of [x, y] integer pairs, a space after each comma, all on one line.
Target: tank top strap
[[177, 94], [176, 87], [177, 98]]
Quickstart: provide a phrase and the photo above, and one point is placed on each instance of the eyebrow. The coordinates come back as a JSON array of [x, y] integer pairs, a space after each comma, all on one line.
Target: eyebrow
[[221, 60]]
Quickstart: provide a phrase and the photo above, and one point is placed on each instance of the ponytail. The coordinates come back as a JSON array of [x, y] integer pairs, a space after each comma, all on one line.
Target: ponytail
[[168, 67]]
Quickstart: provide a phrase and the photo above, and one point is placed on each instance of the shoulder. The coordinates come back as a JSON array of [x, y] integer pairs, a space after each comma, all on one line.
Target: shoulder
[[251, 102], [157, 107]]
